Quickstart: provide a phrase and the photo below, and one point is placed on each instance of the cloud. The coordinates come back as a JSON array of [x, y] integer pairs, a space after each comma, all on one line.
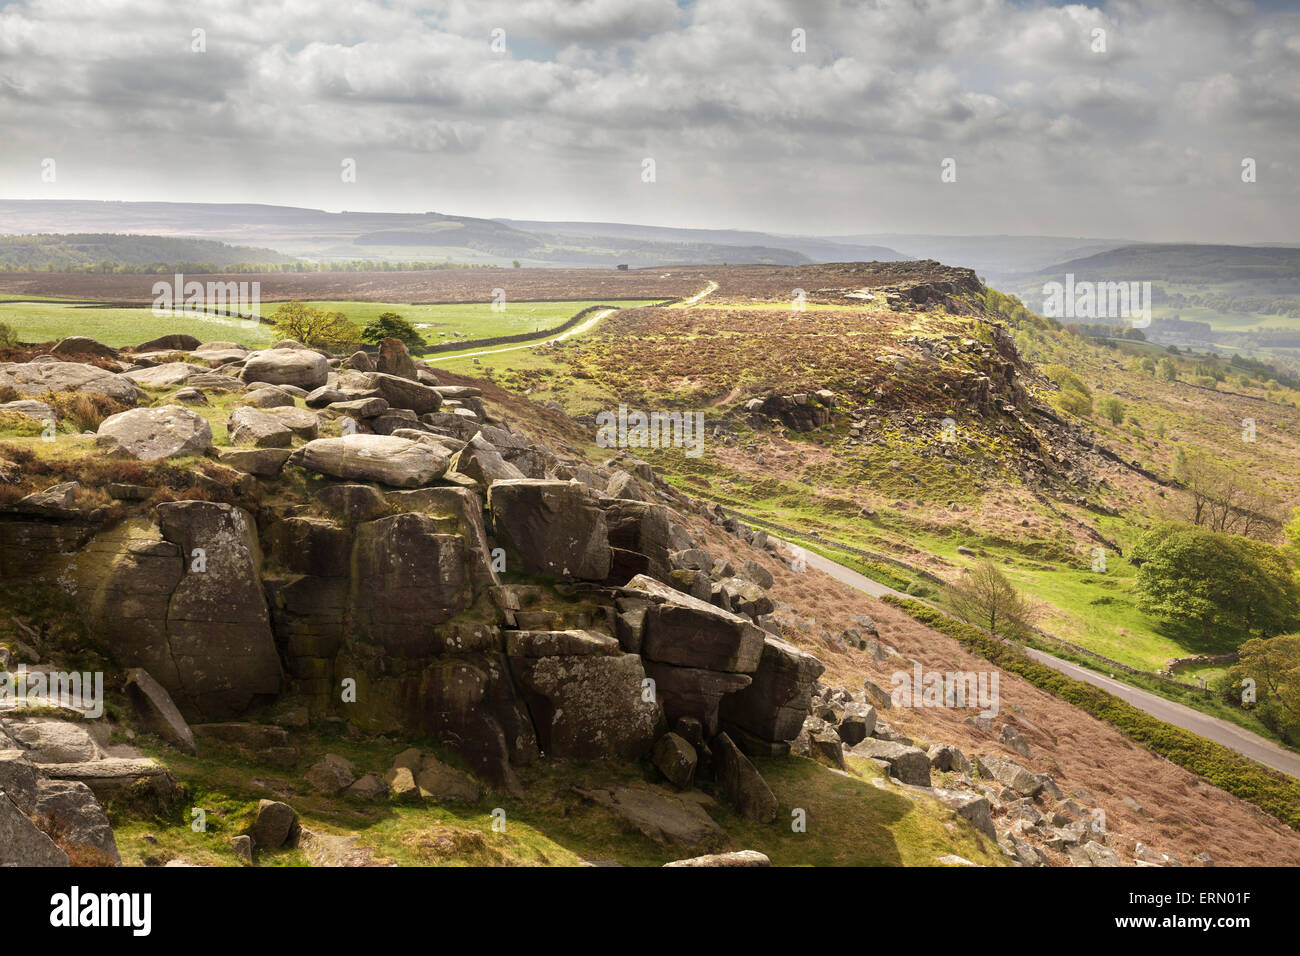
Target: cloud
[[747, 130]]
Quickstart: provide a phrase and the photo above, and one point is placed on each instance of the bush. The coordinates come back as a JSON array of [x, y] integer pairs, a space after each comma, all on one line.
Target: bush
[[8, 337], [1074, 403], [390, 325], [1113, 409], [332, 331]]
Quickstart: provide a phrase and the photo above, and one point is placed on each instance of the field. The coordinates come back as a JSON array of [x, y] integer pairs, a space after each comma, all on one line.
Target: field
[[441, 285], [473, 320], [48, 320]]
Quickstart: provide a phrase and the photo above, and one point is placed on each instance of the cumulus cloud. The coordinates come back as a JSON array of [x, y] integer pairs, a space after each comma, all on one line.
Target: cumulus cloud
[[830, 117]]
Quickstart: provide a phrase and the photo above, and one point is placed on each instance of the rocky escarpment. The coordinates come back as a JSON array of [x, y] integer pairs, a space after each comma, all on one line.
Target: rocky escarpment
[[398, 558]]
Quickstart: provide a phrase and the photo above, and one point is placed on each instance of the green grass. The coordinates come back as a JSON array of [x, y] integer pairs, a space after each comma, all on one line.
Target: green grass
[[116, 327], [850, 820], [475, 319]]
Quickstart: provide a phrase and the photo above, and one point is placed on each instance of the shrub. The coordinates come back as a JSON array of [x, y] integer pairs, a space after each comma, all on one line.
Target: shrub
[[390, 325], [333, 331], [8, 337], [1113, 409]]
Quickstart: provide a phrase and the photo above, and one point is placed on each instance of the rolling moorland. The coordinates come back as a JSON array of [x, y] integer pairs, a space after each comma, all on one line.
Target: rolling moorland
[[907, 422]]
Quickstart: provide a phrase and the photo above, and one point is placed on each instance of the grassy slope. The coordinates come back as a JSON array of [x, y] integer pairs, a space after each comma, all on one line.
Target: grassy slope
[[910, 493], [851, 820]]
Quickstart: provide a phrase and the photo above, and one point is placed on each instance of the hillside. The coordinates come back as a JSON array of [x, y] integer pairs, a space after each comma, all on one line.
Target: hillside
[[72, 252], [427, 594]]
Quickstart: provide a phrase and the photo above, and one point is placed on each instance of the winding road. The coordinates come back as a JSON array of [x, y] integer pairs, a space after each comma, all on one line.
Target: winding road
[[1211, 728], [585, 326]]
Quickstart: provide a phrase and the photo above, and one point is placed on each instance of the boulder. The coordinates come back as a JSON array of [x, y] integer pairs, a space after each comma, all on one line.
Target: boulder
[[301, 421], [21, 843], [663, 817], [53, 741], [251, 426], [218, 629], [443, 784], [359, 361], [395, 359], [174, 342], [69, 808], [948, 759], [908, 764], [157, 711], [622, 485], [550, 527], [404, 393], [408, 574], [276, 824], [972, 807], [757, 573], [18, 778], [676, 759], [286, 366], [262, 462], [773, 707], [585, 695], [268, 397], [741, 783], [367, 787], [857, 722], [325, 396], [331, 774], [151, 434], [686, 632], [1009, 774], [735, 858], [78, 346], [34, 379], [391, 461], [167, 375], [29, 408], [482, 462]]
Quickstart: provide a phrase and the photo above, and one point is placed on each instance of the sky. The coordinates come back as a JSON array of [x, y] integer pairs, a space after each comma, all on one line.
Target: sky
[[549, 109]]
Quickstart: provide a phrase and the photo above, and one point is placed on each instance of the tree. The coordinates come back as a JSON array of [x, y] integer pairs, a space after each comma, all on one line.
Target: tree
[[1167, 371], [390, 325], [333, 331], [1206, 583], [1224, 498], [1274, 667], [984, 597], [1113, 409]]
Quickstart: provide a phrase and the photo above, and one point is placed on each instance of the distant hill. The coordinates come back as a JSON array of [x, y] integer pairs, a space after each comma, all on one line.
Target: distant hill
[[996, 258], [1227, 279], [810, 248], [76, 251], [429, 236]]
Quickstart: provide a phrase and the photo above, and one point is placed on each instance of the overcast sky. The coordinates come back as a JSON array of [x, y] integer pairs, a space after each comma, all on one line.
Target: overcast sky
[[1143, 141]]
